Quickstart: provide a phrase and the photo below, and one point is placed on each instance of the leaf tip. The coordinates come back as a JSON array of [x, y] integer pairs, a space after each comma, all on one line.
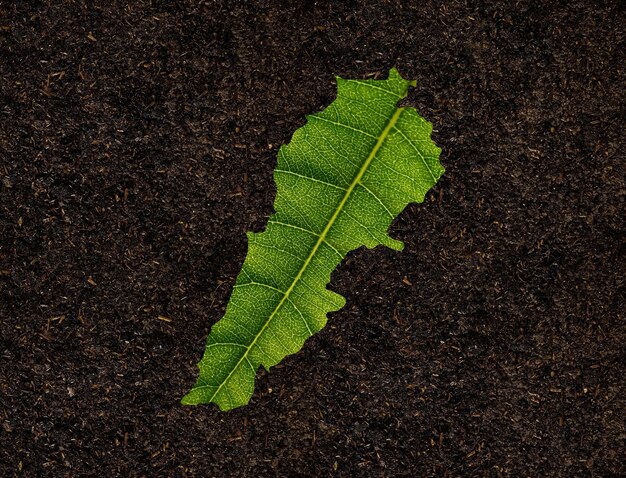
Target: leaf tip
[[394, 74], [188, 400], [395, 244]]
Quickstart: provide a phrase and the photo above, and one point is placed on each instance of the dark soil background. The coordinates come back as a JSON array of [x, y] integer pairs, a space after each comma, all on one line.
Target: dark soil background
[[137, 144]]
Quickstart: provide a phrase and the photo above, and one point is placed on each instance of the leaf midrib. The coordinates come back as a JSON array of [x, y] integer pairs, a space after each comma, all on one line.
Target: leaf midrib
[[322, 237]]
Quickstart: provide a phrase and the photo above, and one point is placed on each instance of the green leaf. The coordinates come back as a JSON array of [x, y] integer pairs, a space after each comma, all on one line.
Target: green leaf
[[340, 182]]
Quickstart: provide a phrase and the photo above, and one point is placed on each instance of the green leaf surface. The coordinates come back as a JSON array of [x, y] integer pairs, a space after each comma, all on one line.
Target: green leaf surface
[[340, 182]]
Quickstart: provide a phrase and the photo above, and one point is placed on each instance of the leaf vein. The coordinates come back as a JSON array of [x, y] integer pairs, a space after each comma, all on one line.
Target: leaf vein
[[337, 123], [284, 171]]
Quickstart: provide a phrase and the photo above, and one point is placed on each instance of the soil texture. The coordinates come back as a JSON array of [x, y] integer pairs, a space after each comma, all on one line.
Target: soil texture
[[137, 144]]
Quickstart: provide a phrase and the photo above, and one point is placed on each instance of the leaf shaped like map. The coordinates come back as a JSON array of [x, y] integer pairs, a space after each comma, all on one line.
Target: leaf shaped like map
[[340, 182]]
